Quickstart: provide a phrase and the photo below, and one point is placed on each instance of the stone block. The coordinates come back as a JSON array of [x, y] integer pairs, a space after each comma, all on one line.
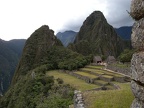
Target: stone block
[[137, 36], [137, 104], [137, 90], [137, 67]]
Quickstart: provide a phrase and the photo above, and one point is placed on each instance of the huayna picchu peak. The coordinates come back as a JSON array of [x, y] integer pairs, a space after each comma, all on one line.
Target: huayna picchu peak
[[97, 37]]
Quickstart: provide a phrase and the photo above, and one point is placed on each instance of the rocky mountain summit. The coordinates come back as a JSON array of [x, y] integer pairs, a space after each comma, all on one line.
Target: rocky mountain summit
[[97, 37]]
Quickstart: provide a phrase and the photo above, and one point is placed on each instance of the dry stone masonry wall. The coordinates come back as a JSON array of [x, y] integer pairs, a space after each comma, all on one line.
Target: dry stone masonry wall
[[137, 62], [78, 99]]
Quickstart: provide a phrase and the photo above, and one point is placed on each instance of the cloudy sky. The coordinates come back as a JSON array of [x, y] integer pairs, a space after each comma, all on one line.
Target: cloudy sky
[[20, 18]]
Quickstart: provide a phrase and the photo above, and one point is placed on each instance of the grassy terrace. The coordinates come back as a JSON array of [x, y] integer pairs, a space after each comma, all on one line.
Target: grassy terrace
[[121, 98], [86, 74], [107, 76], [121, 65], [95, 67], [93, 70], [73, 81], [102, 72], [101, 82]]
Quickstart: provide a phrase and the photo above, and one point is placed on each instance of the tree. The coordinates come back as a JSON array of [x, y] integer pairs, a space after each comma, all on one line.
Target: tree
[[126, 55]]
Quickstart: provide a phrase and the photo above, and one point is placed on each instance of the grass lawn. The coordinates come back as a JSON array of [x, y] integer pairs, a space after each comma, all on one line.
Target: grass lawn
[[122, 65], [86, 74], [102, 72], [73, 81], [93, 70], [101, 81], [107, 76], [121, 98], [95, 67]]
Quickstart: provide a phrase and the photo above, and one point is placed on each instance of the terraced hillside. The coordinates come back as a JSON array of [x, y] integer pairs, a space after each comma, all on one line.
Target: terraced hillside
[[93, 81]]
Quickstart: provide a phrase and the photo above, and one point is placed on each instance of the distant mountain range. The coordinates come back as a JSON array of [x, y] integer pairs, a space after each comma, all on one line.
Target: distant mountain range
[[67, 37], [10, 53], [124, 32]]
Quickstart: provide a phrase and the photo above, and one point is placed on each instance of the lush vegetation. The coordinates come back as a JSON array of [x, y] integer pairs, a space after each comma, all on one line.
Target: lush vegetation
[[78, 84], [62, 58], [126, 55], [38, 91]]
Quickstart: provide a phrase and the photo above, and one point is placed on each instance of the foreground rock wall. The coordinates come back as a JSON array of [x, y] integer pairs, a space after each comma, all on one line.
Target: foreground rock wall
[[137, 62]]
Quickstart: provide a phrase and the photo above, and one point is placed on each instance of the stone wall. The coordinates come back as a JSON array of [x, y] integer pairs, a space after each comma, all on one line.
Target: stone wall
[[85, 78], [78, 99], [137, 62], [125, 71]]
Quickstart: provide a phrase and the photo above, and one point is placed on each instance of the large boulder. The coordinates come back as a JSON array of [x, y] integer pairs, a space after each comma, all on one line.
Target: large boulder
[[137, 9], [137, 104]]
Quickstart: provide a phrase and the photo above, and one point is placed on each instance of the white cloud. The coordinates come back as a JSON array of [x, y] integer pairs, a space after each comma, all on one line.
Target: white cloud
[[19, 18]]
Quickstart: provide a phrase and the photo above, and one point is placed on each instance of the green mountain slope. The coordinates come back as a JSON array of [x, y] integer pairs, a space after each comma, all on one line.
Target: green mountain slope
[[30, 87], [97, 37]]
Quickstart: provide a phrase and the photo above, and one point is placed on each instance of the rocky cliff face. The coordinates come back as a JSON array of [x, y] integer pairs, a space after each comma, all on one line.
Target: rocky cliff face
[[137, 62], [96, 36], [35, 50]]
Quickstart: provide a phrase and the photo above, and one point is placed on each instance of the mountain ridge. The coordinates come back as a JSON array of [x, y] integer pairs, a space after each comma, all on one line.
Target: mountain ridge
[[97, 37]]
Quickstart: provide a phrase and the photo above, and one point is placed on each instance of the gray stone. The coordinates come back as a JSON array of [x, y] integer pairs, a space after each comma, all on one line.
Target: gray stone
[[137, 36], [79, 95], [137, 9], [137, 90], [80, 105], [137, 67], [137, 104]]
